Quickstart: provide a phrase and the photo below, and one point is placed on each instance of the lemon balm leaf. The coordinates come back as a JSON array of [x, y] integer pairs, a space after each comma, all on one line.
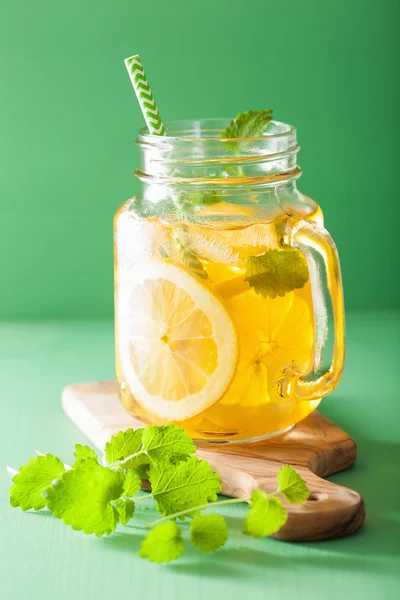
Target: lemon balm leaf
[[83, 497], [127, 448], [249, 124], [208, 532], [134, 449], [123, 445], [126, 509], [266, 515], [163, 544], [276, 272], [143, 471], [179, 487], [83, 453], [292, 486], [167, 442], [33, 479], [131, 483]]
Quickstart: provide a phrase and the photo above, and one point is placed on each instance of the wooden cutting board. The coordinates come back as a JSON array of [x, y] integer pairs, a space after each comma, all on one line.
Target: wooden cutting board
[[315, 447]]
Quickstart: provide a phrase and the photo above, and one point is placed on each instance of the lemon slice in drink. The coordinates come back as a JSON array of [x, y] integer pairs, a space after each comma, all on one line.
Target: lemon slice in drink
[[177, 344]]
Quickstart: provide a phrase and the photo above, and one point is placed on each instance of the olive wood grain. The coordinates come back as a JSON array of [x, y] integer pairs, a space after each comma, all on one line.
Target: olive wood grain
[[315, 447]]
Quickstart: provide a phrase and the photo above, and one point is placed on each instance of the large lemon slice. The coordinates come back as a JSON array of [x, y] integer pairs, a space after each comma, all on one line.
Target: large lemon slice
[[177, 344]]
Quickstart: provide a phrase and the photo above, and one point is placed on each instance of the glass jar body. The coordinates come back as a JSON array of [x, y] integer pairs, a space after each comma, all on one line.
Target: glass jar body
[[199, 343]]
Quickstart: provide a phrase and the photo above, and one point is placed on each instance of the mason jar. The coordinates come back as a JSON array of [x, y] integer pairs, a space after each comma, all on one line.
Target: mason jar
[[229, 312]]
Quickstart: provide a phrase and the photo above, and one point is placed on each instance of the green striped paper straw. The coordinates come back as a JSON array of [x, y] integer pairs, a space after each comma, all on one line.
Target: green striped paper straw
[[155, 125], [144, 95]]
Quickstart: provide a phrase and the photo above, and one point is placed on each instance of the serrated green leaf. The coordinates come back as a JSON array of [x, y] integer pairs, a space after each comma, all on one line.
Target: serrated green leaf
[[143, 471], [167, 442], [125, 508], [266, 515], [126, 444], [83, 453], [292, 486], [184, 485], [276, 272], [83, 497], [33, 479], [132, 483], [249, 124], [163, 544], [137, 448], [209, 532]]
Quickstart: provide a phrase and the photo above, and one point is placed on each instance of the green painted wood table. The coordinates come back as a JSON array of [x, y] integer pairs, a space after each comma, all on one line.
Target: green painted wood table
[[42, 559]]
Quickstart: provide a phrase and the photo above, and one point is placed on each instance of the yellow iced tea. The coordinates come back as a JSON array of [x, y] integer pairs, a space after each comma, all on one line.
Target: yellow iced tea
[[198, 343]]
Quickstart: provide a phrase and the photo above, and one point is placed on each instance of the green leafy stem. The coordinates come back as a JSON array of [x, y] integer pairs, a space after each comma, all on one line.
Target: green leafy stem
[[94, 498]]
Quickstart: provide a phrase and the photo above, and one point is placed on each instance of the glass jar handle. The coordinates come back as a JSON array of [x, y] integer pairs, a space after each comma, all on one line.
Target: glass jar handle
[[322, 257]]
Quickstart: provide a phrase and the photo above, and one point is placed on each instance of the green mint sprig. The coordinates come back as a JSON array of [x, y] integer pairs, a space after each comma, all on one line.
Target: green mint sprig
[[95, 498], [252, 123], [248, 124], [266, 516]]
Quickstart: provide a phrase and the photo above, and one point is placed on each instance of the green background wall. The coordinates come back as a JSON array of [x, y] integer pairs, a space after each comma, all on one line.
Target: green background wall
[[68, 119]]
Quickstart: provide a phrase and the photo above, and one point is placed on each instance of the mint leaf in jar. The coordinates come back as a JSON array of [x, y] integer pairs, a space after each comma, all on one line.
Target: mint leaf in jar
[[276, 272], [249, 124]]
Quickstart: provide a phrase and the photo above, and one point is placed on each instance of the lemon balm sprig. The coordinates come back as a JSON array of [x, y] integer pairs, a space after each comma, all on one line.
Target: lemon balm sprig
[[95, 498], [266, 513], [184, 513]]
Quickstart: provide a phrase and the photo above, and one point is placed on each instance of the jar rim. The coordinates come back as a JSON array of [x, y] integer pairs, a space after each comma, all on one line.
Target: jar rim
[[189, 126]]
